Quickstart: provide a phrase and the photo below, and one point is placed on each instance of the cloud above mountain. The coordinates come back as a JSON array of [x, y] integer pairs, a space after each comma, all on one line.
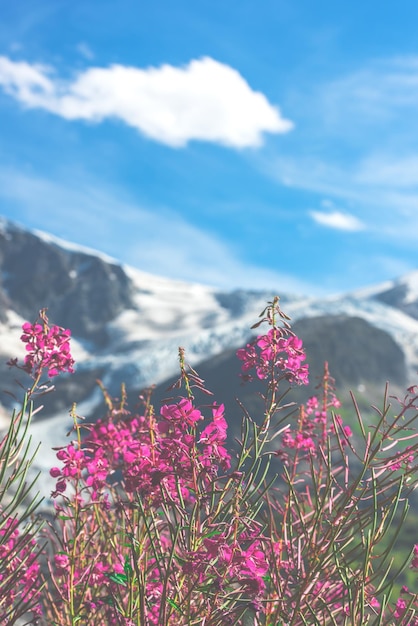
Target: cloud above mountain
[[204, 100], [337, 220]]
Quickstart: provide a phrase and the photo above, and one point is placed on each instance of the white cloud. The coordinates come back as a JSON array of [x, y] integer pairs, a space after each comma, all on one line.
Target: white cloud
[[204, 100], [337, 220]]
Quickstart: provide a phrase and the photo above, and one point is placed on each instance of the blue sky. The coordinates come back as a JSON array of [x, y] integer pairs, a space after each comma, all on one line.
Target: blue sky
[[269, 144]]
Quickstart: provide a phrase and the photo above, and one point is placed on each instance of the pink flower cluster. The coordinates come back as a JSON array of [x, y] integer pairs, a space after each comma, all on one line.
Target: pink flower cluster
[[314, 426], [154, 527], [48, 347], [19, 570], [239, 561], [165, 461], [273, 351], [153, 456], [400, 611]]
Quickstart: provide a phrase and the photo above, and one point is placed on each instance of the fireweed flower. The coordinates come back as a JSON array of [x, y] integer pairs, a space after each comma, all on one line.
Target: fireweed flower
[[212, 439], [147, 454], [185, 534], [285, 353], [62, 562], [183, 413], [400, 609], [48, 347], [230, 562], [19, 569], [74, 462], [156, 458]]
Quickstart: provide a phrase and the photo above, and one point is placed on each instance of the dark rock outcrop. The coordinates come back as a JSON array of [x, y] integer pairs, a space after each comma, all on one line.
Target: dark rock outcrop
[[356, 351], [80, 290]]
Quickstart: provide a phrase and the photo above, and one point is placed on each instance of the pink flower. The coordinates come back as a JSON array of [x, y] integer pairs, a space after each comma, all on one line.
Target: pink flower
[[61, 561], [215, 432], [249, 357], [312, 404], [19, 571], [347, 431], [274, 350], [414, 562], [400, 608], [47, 348], [299, 441], [183, 412]]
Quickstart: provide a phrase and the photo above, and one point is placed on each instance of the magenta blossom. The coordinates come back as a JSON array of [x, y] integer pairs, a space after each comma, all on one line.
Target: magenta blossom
[[274, 350], [183, 413], [48, 347]]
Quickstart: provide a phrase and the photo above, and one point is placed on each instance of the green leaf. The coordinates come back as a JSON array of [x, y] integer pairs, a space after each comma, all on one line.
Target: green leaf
[[174, 605], [119, 579], [127, 568]]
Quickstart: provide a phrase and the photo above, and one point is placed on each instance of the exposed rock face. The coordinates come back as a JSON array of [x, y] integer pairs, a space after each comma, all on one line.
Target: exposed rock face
[[356, 351], [81, 291]]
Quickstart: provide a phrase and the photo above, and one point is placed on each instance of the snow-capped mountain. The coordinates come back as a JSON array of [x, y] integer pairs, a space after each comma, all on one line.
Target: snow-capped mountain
[[127, 325]]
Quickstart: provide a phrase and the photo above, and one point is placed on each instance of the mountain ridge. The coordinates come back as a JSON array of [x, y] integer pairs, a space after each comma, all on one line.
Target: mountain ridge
[[127, 325]]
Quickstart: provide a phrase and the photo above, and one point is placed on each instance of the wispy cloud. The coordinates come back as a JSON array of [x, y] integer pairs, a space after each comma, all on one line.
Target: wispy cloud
[[337, 220], [204, 100], [389, 170], [381, 93], [363, 133], [85, 50]]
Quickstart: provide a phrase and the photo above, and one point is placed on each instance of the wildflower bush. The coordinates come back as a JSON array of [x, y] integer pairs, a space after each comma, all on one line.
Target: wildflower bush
[[158, 522]]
